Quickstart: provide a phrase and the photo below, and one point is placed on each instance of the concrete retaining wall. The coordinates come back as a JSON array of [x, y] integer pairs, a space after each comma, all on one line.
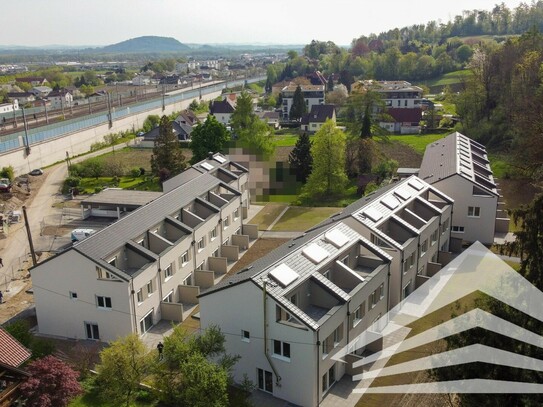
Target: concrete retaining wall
[[51, 151]]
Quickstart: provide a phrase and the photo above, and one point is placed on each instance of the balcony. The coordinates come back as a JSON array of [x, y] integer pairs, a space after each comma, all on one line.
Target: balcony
[[396, 231], [315, 300]]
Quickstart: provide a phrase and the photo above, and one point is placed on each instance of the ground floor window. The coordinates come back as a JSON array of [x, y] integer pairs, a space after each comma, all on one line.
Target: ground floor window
[[265, 380], [92, 331], [146, 322], [168, 298], [328, 379]]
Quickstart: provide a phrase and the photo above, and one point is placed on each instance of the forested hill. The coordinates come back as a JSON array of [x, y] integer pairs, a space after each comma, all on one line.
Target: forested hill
[[145, 44]]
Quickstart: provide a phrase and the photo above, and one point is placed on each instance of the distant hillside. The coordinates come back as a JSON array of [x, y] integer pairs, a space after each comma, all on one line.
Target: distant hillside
[[146, 44]]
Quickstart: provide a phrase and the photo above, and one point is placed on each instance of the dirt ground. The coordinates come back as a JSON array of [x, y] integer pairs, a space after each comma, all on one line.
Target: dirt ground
[[405, 155]]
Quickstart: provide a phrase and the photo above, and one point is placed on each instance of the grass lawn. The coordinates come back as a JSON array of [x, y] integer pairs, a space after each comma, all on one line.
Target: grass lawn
[[89, 185], [449, 78], [417, 142], [287, 140], [298, 218], [267, 215], [500, 166]]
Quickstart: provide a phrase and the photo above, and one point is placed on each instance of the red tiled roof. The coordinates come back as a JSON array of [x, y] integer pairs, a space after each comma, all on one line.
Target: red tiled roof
[[12, 353], [406, 115]]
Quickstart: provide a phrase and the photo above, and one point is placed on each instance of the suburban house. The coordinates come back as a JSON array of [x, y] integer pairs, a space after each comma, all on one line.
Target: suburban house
[[182, 131], [313, 295], [12, 356], [222, 110], [141, 80], [22, 97], [33, 80], [41, 91], [402, 121], [187, 117], [459, 167], [270, 118], [313, 95], [318, 115], [60, 99], [151, 264]]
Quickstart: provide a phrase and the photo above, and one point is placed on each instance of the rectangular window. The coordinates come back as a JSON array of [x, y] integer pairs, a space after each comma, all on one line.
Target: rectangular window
[[168, 298], [281, 349], [423, 248], [445, 226], [103, 302], [73, 295], [139, 295], [91, 329], [245, 336], [357, 316], [184, 259], [372, 300], [168, 272], [226, 222], [338, 335], [150, 288], [474, 211], [213, 234], [201, 266], [215, 253], [458, 229], [201, 244], [381, 291], [433, 238], [187, 280], [236, 214]]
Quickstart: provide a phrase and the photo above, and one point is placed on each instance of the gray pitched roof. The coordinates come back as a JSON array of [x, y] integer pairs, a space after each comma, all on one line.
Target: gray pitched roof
[[221, 107], [106, 241], [457, 154], [122, 197], [321, 113]]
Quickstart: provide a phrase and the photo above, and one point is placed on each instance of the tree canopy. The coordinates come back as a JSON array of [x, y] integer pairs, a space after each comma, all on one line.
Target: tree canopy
[[328, 175], [209, 136], [167, 159], [244, 115], [298, 108], [300, 158]]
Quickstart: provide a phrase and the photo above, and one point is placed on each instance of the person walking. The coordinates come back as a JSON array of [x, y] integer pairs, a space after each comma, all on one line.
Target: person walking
[[1, 297], [160, 347]]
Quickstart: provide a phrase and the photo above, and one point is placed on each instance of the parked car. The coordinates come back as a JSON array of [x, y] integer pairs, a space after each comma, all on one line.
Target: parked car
[[37, 171], [80, 234], [5, 185]]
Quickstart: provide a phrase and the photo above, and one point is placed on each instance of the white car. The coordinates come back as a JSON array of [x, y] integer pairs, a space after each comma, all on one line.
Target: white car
[[80, 234]]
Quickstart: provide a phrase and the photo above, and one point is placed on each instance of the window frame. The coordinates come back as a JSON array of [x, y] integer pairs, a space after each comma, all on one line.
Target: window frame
[[104, 300]]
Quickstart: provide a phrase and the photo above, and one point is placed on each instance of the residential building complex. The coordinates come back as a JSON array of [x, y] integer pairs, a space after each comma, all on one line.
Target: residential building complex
[[149, 265], [459, 167], [317, 292], [313, 95]]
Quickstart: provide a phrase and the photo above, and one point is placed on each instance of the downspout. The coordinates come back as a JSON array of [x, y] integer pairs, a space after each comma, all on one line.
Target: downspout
[[160, 282], [133, 303], [318, 367], [277, 377]]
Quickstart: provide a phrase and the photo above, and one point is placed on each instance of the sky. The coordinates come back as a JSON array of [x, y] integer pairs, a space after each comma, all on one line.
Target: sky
[[103, 22]]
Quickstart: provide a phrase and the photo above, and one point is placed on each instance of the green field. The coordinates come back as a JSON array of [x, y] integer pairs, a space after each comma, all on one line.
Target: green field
[[90, 185], [417, 142], [288, 140], [298, 218], [267, 215], [450, 78]]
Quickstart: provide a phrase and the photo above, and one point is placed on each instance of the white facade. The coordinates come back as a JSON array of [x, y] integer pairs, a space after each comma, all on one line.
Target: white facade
[[396, 94], [313, 95], [9, 107], [60, 100], [148, 266]]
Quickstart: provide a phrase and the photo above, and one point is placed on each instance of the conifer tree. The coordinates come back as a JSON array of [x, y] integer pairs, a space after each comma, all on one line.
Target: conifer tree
[[300, 158], [167, 159], [298, 108]]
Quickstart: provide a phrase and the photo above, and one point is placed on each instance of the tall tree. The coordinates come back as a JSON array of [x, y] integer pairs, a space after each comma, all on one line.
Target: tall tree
[[330, 84], [328, 177], [52, 383], [300, 158], [244, 115], [167, 159], [209, 136], [298, 108], [123, 366], [365, 131]]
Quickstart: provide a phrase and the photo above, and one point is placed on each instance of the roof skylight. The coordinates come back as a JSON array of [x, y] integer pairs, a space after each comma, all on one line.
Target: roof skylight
[[207, 166], [415, 183], [403, 193], [315, 253], [220, 159], [336, 237], [390, 202], [373, 214], [284, 275]]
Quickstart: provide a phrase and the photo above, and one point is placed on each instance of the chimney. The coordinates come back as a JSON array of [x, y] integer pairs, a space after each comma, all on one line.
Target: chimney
[[210, 155]]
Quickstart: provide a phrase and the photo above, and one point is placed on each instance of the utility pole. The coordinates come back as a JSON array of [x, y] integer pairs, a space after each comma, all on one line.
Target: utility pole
[[14, 116], [26, 129], [29, 235], [163, 101], [110, 116], [46, 115]]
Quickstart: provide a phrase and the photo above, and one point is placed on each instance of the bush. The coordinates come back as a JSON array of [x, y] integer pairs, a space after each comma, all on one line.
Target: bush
[[92, 168], [7, 172], [134, 172], [97, 146], [142, 171], [113, 169], [75, 170], [371, 187], [97, 190], [70, 182]]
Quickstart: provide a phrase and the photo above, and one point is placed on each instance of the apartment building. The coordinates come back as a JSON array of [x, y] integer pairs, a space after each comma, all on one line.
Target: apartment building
[[313, 95], [459, 167], [396, 94], [307, 300], [316, 293], [148, 266]]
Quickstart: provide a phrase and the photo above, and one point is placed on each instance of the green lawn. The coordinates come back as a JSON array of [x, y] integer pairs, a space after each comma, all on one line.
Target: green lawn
[[417, 142], [267, 215], [500, 166], [89, 185], [298, 218], [288, 140], [449, 78]]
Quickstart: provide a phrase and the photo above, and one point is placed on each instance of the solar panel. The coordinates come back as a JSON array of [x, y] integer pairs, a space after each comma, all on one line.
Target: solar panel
[[315, 253], [403, 193], [415, 183], [390, 202], [336, 237], [284, 275], [373, 214], [220, 159], [207, 166]]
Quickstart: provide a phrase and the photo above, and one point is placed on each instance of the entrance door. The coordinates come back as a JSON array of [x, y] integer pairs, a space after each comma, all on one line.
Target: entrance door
[[146, 322], [91, 330]]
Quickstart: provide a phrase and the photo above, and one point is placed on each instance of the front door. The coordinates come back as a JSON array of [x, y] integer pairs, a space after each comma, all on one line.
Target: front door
[[146, 322]]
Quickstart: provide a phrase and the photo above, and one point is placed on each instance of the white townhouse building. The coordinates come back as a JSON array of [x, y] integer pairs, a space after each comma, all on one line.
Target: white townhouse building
[[459, 167], [395, 94], [313, 95], [319, 291], [149, 265]]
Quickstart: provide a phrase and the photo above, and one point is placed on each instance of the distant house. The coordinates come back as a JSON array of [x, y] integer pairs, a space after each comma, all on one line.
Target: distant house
[[187, 117], [60, 98], [12, 356], [270, 118], [96, 97], [318, 115], [222, 110], [170, 80], [313, 95], [317, 78], [41, 91], [33, 80], [404, 121], [22, 97], [141, 80], [181, 131], [9, 107]]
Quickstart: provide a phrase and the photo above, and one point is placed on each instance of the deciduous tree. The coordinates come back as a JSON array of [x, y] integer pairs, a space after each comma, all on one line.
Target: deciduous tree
[[210, 136]]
